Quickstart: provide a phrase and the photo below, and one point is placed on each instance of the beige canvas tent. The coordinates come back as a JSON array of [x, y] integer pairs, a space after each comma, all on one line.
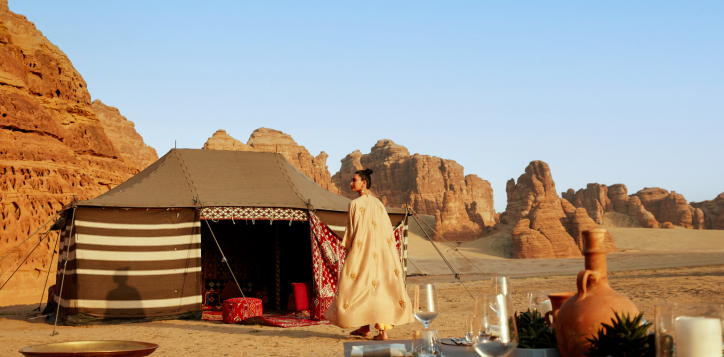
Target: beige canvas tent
[[153, 245]]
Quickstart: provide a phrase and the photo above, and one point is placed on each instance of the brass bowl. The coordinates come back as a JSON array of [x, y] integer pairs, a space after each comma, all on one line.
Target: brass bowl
[[91, 349]]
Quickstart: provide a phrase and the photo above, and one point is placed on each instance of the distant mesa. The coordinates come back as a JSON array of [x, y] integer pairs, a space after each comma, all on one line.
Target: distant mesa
[[649, 208]]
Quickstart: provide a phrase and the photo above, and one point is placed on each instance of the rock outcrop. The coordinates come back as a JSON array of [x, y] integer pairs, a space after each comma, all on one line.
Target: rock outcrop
[[270, 140], [52, 147], [462, 204], [123, 135], [651, 200], [594, 198], [713, 211], [639, 213], [541, 221], [222, 141], [674, 208], [618, 194], [649, 207]]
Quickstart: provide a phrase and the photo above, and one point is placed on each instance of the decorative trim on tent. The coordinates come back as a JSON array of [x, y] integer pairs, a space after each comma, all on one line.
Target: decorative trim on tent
[[254, 213]]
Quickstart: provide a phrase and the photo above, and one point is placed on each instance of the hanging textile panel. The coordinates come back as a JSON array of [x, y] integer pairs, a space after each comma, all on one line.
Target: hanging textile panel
[[401, 243], [133, 263], [253, 213], [328, 257]]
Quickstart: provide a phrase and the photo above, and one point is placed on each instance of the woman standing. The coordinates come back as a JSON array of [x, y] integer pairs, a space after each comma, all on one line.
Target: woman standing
[[372, 286]]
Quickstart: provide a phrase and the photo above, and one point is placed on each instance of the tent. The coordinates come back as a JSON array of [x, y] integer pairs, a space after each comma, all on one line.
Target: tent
[[155, 245]]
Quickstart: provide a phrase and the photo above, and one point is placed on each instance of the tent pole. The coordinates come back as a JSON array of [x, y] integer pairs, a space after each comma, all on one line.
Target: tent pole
[[65, 264], [48, 276]]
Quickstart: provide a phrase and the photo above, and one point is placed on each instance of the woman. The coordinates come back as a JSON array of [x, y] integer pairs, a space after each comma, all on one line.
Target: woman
[[372, 286]]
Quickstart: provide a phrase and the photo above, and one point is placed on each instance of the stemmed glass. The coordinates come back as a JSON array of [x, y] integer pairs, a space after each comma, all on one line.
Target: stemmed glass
[[496, 334], [499, 285], [424, 303]]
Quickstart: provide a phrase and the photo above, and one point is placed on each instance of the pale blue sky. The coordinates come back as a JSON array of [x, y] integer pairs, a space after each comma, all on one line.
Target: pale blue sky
[[603, 91]]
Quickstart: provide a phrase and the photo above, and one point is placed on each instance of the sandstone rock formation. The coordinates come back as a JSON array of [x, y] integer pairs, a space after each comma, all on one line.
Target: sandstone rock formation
[[222, 141], [638, 212], [674, 208], [123, 135], [618, 194], [713, 211], [52, 147], [594, 198], [462, 204], [541, 221], [270, 140], [648, 207]]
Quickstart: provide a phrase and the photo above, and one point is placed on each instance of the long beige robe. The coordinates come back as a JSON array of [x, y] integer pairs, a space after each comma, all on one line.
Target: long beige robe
[[372, 287]]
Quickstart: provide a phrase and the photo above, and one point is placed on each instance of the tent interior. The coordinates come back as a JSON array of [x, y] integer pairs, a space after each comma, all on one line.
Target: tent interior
[[253, 250]]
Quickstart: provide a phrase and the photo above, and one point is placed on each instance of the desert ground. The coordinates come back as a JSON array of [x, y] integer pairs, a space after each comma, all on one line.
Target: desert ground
[[654, 266]]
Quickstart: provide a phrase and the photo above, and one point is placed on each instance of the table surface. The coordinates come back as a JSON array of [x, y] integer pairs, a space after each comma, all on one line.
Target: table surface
[[447, 350]]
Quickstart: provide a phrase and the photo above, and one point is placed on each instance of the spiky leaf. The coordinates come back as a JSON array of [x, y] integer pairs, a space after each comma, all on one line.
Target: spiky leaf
[[533, 332], [624, 337]]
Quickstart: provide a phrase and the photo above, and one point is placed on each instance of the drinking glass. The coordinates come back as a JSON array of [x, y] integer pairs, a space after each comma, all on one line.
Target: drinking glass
[[496, 334], [499, 285], [469, 328], [539, 300], [426, 343], [424, 303]]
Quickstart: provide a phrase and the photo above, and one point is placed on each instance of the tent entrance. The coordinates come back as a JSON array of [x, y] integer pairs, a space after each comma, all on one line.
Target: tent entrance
[[265, 258]]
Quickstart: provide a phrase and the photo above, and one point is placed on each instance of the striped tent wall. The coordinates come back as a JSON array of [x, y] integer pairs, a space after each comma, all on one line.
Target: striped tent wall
[[131, 263]]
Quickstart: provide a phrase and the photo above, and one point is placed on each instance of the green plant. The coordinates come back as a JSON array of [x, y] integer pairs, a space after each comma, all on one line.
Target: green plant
[[625, 337], [533, 332]]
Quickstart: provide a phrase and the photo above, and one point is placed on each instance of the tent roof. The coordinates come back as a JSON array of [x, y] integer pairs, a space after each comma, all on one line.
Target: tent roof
[[198, 178]]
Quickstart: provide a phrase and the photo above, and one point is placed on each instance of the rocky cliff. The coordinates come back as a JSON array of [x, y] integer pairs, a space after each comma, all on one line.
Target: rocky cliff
[[713, 211], [462, 204], [650, 207], [122, 133], [270, 140], [52, 146], [542, 224]]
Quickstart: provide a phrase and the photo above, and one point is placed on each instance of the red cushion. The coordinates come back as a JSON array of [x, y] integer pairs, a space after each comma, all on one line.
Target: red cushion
[[230, 291], [240, 309], [302, 295]]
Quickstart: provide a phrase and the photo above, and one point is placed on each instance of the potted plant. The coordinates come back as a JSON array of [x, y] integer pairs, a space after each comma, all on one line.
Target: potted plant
[[625, 337], [535, 338]]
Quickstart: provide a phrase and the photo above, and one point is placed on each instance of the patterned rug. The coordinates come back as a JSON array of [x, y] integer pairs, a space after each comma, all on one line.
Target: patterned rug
[[275, 319]]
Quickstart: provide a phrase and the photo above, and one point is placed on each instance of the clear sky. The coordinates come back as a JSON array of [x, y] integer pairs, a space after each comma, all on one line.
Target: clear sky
[[603, 91]]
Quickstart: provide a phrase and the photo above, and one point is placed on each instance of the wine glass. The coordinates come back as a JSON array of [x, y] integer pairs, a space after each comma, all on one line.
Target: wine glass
[[539, 300], [426, 343], [497, 335], [499, 285], [424, 303]]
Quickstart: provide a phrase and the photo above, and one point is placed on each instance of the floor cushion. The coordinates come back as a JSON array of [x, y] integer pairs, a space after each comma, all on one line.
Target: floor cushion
[[239, 309]]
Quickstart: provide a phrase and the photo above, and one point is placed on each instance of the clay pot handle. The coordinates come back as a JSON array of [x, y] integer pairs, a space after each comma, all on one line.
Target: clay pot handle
[[551, 322], [583, 277]]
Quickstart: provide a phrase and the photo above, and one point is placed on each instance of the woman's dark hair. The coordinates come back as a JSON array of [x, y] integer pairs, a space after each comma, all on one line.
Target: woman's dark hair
[[365, 176]]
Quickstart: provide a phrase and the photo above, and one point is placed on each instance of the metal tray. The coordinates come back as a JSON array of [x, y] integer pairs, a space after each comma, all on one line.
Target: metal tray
[[91, 349]]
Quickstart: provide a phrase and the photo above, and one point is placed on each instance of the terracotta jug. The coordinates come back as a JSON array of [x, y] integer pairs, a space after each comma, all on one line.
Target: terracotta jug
[[581, 316], [557, 300]]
